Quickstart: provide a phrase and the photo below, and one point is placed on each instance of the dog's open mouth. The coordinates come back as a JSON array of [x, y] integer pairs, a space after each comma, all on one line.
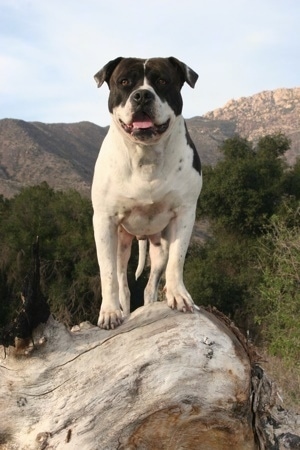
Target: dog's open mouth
[[143, 125]]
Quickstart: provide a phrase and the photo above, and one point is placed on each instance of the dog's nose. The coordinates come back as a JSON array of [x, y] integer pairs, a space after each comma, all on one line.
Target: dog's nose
[[143, 96]]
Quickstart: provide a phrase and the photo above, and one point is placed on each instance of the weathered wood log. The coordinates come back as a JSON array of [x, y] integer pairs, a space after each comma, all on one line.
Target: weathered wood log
[[163, 380]]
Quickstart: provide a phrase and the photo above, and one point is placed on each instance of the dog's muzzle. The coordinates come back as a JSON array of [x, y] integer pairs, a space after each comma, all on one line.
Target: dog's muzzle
[[142, 125]]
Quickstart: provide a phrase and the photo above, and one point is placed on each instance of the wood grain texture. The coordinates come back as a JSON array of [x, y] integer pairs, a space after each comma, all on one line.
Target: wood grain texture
[[163, 380]]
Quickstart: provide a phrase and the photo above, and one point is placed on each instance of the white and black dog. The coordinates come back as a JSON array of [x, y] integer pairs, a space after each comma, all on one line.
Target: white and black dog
[[146, 183]]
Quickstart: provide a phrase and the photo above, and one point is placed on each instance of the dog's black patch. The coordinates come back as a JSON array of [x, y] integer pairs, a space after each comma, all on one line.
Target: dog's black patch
[[196, 157], [129, 75], [166, 82]]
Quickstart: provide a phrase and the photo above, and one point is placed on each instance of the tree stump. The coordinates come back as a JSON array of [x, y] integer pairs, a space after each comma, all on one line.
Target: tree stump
[[162, 380]]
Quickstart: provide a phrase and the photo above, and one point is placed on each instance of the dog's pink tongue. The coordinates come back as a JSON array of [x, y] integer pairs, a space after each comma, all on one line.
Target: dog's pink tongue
[[142, 124]]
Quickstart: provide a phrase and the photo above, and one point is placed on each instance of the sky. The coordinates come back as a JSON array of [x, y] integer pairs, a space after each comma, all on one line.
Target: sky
[[51, 49]]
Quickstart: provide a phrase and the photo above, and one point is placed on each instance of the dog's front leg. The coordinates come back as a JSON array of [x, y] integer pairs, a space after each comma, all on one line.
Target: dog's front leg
[[106, 238], [179, 234]]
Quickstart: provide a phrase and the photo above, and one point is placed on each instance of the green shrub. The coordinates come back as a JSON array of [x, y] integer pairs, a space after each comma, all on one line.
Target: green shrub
[[277, 308]]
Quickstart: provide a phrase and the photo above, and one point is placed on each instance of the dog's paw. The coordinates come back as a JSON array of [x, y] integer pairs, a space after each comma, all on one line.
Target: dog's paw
[[179, 299], [109, 320]]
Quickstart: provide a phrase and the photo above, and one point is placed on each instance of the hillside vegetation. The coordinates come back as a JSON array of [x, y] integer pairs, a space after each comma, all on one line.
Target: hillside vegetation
[[249, 269]]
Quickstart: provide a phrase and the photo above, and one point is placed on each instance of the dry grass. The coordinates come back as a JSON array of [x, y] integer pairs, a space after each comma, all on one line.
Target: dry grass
[[287, 380]]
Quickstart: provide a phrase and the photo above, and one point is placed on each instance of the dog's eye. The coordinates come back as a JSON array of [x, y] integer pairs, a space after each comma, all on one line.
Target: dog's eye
[[162, 82], [125, 82]]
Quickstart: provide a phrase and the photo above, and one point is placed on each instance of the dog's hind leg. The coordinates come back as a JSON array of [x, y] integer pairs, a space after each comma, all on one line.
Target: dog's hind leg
[[158, 251], [124, 250]]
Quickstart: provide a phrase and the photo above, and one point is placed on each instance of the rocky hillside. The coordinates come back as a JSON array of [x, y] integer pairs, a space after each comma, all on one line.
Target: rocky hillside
[[266, 112], [64, 155]]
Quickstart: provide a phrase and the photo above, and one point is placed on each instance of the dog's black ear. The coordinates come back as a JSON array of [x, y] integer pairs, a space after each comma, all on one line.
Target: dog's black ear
[[105, 73], [187, 74]]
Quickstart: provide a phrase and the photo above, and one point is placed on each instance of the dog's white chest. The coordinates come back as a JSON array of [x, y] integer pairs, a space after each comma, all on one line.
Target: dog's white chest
[[147, 219]]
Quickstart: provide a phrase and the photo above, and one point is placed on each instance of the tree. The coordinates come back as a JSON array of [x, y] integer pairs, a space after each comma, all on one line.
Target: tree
[[69, 269], [244, 189], [292, 181]]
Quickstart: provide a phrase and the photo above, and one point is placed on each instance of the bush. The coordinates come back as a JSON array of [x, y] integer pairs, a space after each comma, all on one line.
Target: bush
[[69, 269], [277, 308], [221, 273], [244, 189]]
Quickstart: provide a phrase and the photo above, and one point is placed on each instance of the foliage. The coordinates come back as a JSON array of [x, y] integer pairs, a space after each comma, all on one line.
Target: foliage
[[221, 273], [292, 181], [244, 189], [250, 269], [69, 272], [277, 308]]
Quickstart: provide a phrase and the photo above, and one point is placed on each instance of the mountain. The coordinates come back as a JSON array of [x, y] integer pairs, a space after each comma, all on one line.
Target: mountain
[[64, 155], [265, 113]]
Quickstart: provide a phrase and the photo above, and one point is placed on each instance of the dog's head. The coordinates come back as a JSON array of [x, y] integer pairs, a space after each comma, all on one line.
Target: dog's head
[[145, 96]]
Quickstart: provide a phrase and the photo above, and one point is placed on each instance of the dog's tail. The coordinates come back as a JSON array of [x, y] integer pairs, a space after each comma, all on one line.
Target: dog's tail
[[142, 257]]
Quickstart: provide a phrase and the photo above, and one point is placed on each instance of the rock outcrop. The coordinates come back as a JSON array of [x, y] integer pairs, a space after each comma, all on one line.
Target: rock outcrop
[[265, 113]]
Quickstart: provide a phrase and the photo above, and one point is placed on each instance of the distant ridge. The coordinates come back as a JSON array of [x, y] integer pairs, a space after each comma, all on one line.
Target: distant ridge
[[263, 113], [64, 155]]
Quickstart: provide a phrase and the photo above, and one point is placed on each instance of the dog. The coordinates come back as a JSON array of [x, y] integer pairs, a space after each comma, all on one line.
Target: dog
[[146, 183]]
